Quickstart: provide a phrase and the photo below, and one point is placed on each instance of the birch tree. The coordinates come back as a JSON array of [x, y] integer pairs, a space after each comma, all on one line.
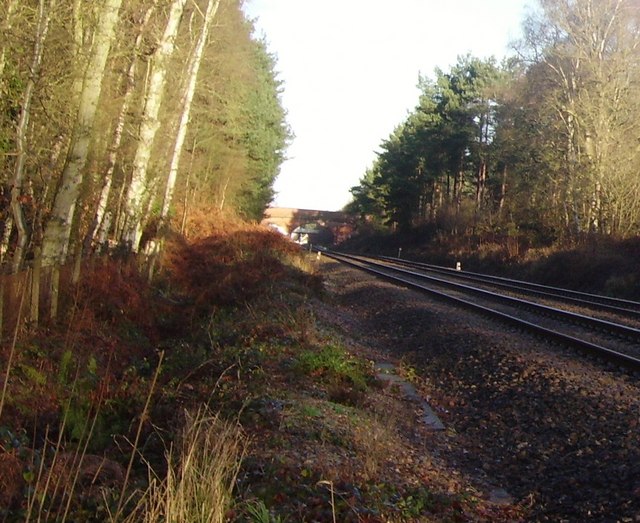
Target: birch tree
[[4, 32], [6, 101], [194, 68], [590, 49], [58, 229], [45, 9], [112, 153], [134, 199]]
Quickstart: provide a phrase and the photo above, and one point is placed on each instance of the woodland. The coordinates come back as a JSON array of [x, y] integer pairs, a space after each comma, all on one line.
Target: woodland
[[162, 357], [543, 146], [118, 117]]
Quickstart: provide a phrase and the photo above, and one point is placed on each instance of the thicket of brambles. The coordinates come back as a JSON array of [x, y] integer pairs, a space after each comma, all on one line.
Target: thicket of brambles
[[543, 146]]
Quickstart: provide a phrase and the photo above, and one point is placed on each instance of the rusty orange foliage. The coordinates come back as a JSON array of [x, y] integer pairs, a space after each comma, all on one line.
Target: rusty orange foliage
[[230, 266]]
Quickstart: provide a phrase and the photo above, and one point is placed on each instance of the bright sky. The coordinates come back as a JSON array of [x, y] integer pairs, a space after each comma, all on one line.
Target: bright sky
[[350, 70]]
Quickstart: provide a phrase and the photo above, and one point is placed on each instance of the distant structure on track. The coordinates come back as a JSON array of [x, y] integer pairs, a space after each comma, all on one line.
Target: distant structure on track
[[310, 226]]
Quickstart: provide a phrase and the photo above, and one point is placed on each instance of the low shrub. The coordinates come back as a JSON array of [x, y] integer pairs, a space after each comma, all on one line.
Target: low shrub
[[333, 365]]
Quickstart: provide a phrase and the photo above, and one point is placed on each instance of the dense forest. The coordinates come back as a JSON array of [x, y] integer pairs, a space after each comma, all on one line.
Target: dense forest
[[543, 146], [118, 117]]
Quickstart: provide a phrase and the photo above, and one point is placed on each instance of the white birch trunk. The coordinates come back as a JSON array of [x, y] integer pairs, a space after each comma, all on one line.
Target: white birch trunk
[[78, 46], [117, 135], [44, 18], [132, 230], [58, 230], [6, 27], [6, 236], [34, 310], [194, 68], [185, 205], [223, 197]]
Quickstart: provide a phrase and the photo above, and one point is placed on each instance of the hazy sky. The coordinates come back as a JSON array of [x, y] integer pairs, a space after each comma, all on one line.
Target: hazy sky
[[350, 70]]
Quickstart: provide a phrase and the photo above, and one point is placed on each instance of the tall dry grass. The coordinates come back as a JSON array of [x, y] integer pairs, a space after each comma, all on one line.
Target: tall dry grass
[[200, 475]]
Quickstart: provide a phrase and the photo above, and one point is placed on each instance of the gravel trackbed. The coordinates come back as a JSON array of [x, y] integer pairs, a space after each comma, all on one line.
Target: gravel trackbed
[[552, 431]]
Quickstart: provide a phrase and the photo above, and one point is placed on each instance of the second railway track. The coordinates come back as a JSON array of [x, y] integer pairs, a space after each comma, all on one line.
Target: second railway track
[[615, 339]]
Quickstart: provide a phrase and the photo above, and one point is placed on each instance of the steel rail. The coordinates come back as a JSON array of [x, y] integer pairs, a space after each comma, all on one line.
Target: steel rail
[[624, 331], [606, 353], [605, 303]]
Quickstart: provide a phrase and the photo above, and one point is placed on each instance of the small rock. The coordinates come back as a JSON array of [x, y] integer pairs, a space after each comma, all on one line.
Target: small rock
[[500, 496]]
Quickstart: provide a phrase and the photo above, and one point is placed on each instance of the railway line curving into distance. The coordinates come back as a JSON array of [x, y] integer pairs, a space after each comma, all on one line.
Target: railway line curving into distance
[[523, 410], [605, 327]]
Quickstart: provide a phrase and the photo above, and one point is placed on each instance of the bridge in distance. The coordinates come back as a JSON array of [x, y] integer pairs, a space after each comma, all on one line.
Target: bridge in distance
[[287, 220]]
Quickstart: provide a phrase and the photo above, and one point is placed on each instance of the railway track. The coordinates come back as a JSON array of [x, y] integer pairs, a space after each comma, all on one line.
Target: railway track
[[599, 305], [598, 325]]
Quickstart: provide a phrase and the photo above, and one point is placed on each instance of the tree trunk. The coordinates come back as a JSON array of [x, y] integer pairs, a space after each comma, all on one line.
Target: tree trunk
[[34, 310], [223, 196], [54, 290], [481, 184], [503, 189], [4, 247], [132, 230], [4, 34], [458, 184], [194, 68], [78, 46], [44, 17], [436, 198], [185, 206], [448, 185], [58, 230], [118, 132], [6, 236]]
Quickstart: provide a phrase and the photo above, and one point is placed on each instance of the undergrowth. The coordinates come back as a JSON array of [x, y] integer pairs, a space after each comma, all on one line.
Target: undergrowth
[[201, 471], [209, 395], [92, 403]]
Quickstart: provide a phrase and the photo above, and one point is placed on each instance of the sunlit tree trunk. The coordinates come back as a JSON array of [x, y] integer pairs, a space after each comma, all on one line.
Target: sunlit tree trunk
[[483, 146], [223, 194], [112, 156], [185, 201], [436, 199], [194, 68], [4, 34], [4, 246], [134, 199], [58, 230], [503, 190], [6, 236], [78, 47], [44, 17], [481, 182]]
